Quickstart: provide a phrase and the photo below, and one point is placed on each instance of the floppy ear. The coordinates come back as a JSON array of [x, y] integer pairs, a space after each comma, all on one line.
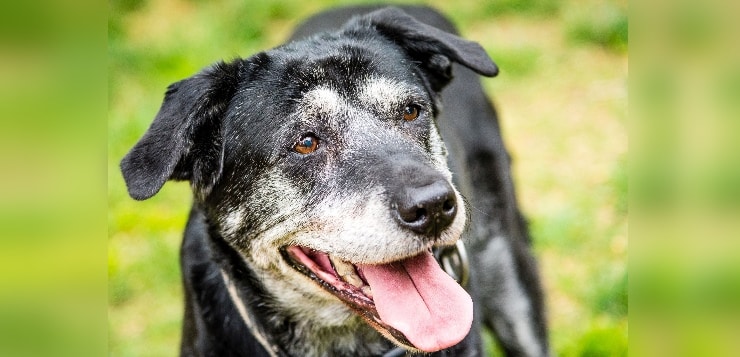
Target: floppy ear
[[184, 141], [432, 47]]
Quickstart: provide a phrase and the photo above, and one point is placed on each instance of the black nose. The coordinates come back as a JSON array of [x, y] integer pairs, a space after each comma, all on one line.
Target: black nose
[[428, 209]]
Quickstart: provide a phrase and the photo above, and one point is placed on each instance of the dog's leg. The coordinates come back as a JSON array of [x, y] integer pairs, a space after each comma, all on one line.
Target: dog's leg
[[511, 298], [508, 280], [507, 277]]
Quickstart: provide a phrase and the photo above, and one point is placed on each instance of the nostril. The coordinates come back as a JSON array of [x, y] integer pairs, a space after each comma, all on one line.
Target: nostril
[[412, 214], [448, 205], [420, 214]]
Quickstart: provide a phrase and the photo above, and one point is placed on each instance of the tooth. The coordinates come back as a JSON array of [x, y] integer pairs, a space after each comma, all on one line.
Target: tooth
[[353, 279], [341, 267], [346, 271], [367, 291]]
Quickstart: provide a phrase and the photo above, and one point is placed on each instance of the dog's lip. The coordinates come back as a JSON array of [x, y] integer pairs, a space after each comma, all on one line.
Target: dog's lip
[[352, 296], [321, 266]]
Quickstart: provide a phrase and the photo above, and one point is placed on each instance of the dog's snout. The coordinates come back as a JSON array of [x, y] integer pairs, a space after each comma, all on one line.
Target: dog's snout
[[427, 209]]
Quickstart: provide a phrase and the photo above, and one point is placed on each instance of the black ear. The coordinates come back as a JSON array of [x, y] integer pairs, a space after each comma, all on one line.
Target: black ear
[[184, 141], [432, 47]]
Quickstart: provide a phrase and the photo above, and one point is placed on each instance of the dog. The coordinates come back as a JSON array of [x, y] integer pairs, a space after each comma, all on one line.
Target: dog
[[327, 174]]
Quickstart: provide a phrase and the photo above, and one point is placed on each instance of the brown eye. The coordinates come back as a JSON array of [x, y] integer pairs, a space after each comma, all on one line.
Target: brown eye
[[411, 112], [307, 144]]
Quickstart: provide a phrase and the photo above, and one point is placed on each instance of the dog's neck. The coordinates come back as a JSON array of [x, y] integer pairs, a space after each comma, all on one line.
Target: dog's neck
[[303, 338], [281, 333]]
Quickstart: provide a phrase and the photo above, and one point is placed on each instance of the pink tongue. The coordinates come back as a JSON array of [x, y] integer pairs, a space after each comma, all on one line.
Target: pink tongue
[[416, 297]]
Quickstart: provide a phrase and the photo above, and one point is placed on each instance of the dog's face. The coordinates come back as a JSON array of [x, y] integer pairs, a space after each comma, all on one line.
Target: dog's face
[[339, 133], [320, 163]]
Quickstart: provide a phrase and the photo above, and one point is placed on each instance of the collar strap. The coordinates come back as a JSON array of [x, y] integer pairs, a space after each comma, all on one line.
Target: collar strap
[[454, 261], [271, 349]]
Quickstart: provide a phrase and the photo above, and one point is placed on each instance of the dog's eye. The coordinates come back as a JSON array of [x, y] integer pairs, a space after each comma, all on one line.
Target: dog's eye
[[307, 144], [411, 112]]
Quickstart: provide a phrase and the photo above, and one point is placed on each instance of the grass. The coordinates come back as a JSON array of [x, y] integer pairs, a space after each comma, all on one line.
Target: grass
[[562, 99]]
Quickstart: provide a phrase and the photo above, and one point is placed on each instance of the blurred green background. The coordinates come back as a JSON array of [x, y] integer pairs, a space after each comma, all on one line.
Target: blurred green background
[[562, 99]]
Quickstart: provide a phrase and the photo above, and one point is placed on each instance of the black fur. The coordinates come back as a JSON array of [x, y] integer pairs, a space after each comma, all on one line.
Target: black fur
[[227, 127], [184, 142]]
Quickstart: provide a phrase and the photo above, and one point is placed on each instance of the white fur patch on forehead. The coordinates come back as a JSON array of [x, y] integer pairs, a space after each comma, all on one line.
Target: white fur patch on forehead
[[384, 93], [323, 99]]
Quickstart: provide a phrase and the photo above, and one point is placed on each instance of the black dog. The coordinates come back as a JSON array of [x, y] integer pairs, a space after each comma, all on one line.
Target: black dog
[[322, 190]]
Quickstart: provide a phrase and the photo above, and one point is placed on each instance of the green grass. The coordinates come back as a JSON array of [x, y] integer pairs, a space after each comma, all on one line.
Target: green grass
[[602, 23], [562, 99]]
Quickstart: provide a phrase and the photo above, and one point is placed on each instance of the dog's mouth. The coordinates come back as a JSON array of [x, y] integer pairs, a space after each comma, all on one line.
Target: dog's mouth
[[412, 301]]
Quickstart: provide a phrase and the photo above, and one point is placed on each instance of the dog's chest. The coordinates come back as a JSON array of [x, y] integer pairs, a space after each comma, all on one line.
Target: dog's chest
[[355, 340]]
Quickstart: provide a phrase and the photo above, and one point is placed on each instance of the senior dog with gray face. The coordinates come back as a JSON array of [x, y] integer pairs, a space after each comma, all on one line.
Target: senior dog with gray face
[[328, 173]]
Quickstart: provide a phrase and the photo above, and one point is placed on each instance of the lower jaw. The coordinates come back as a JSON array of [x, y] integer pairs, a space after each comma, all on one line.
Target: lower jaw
[[361, 306]]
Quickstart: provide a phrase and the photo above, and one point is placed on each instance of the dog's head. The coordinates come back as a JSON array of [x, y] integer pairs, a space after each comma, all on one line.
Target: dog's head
[[320, 161]]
